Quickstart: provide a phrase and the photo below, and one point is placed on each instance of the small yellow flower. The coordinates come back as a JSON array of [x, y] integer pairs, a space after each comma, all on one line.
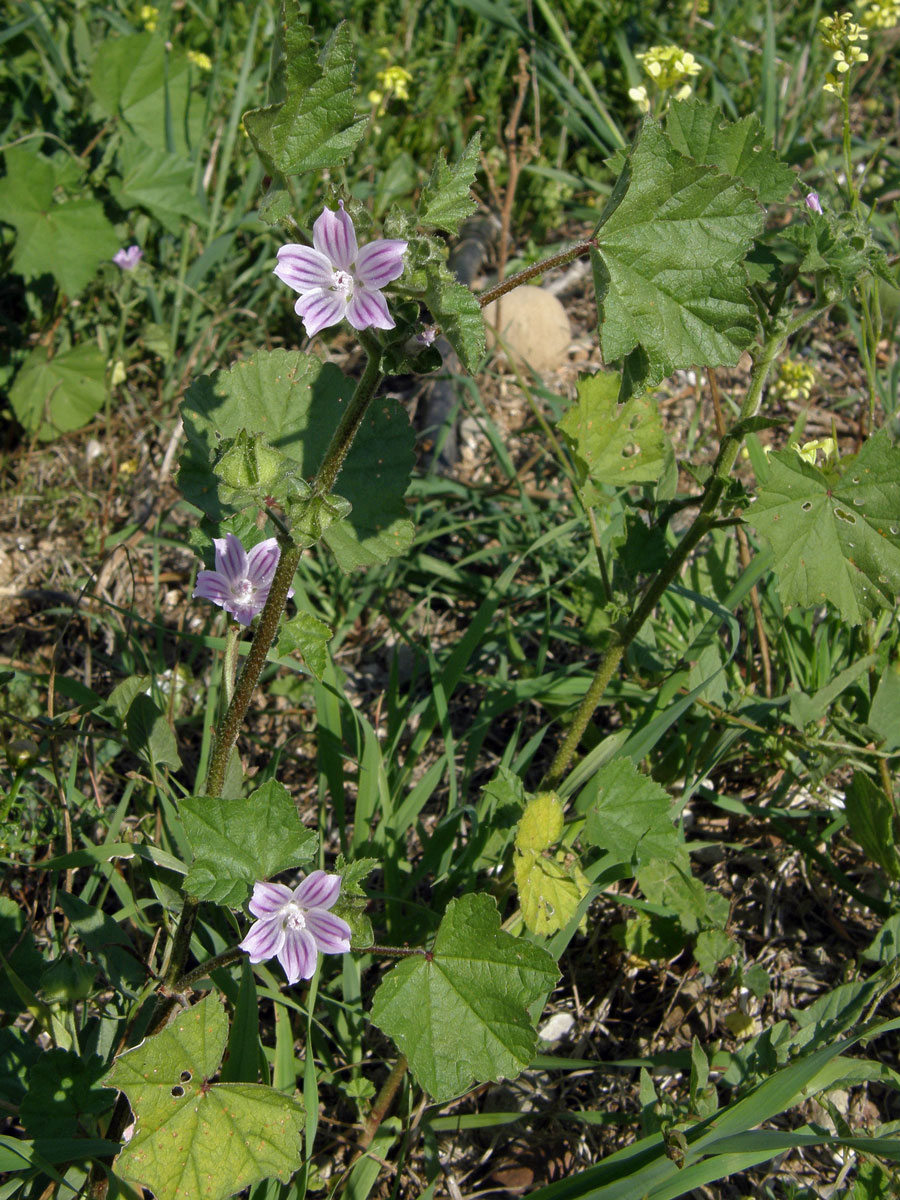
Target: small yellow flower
[[840, 34], [200, 60], [375, 98], [880, 14], [148, 17], [640, 97], [809, 450], [795, 381], [669, 67], [396, 80]]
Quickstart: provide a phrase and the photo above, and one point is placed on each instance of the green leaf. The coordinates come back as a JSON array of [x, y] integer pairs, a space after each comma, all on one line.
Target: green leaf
[[239, 842], [550, 890], [51, 396], [312, 124], [837, 248], [296, 402], [870, 817], [457, 311], [835, 536], [447, 197], [631, 816], [308, 637], [668, 266], [612, 443], [158, 182], [352, 903], [713, 946], [669, 882], [462, 1013], [62, 1093], [67, 239], [738, 148], [145, 84], [884, 715], [196, 1138], [149, 733]]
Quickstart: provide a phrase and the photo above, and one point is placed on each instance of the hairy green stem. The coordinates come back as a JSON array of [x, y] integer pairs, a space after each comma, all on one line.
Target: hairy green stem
[[546, 264], [350, 422], [699, 527], [230, 724], [230, 659]]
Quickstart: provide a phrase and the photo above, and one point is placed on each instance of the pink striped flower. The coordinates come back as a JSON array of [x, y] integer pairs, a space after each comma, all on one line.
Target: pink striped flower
[[337, 279], [295, 926], [241, 581]]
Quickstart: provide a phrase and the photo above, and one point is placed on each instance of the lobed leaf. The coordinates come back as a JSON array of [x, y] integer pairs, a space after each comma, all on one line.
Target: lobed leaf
[[835, 537], [312, 124], [54, 395], [237, 842], [739, 148], [196, 1138], [612, 443], [68, 240], [296, 402], [461, 1013], [457, 311], [305, 635], [668, 265], [447, 196], [631, 816]]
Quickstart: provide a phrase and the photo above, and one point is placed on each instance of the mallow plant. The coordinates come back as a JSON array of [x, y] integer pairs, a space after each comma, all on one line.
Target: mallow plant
[[168, 1077]]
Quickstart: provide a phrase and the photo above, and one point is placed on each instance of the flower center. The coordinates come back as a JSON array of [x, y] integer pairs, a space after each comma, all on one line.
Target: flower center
[[343, 283], [294, 918], [242, 590]]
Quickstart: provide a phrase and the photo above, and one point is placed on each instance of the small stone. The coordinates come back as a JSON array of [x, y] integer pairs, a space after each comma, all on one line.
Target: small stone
[[533, 325]]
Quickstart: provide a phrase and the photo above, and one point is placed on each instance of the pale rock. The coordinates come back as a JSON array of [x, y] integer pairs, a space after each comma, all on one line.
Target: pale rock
[[533, 325]]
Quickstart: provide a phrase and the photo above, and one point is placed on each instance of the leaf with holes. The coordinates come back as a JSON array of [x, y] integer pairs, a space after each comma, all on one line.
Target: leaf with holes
[[196, 1138], [462, 1013], [296, 402], [613, 443], [835, 536]]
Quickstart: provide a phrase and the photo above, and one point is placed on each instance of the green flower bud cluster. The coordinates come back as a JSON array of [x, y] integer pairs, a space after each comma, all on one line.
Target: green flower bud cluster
[[794, 381], [841, 35]]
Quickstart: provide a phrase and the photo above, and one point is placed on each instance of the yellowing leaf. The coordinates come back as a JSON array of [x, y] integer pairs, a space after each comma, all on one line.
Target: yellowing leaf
[[549, 891], [542, 823]]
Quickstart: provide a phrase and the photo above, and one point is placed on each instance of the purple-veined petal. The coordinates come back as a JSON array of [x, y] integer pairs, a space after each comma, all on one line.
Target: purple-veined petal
[[318, 890], [303, 268], [334, 236], [380, 262], [269, 898], [231, 558], [319, 309], [369, 309], [298, 955], [262, 561], [332, 934], [264, 940], [244, 615], [212, 586]]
